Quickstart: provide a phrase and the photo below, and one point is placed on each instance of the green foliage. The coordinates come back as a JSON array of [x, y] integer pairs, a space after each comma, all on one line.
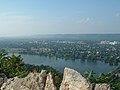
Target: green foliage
[[90, 76], [11, 65], [109, 78]]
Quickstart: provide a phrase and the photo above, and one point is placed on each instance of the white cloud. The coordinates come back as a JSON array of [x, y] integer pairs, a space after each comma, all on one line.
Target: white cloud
[[117, 14], [13, 17], [86, 20]]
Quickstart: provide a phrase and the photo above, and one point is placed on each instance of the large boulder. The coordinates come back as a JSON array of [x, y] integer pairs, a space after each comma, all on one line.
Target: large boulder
[[72, 80]]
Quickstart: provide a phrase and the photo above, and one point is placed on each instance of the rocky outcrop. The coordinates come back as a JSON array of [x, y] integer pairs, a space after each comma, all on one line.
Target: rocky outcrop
[[49, 83], [72, 80], [34, 81]]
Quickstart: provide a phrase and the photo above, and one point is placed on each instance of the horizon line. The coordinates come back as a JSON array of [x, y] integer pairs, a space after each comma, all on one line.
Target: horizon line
[[12, 36]]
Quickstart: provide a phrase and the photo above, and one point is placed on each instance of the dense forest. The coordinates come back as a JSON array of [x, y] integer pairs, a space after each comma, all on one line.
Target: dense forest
[[14, 66]]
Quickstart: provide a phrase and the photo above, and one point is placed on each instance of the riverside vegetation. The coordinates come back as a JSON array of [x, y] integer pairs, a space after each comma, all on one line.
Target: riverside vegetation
[[14, 66]]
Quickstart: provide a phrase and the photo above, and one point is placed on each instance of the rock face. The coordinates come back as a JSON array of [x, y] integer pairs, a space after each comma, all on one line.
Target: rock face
[[34, 81], [72, 80]]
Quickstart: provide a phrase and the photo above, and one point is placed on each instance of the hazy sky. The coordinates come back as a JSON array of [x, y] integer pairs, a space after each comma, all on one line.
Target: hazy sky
[[29, 17]]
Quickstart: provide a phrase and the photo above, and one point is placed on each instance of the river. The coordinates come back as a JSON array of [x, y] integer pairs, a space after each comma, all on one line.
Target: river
[[59, 64]]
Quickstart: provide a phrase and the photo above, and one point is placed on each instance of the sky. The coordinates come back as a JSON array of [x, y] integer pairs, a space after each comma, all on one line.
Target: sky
[[31, 17]]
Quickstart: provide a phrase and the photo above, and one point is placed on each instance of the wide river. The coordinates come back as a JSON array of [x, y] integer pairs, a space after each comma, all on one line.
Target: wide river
[[59, 64]]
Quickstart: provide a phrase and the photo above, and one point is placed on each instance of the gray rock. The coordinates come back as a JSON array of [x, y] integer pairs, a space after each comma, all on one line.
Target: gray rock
[[72, 80], [102, 87], [3, 78], [49, 83], [34, 81], [12, 84]]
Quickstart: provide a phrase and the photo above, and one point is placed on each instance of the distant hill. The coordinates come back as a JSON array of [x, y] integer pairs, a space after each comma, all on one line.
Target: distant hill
[[78, 36]]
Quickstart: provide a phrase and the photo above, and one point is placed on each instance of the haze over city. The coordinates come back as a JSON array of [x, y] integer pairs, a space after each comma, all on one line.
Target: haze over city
[[29, 17]]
